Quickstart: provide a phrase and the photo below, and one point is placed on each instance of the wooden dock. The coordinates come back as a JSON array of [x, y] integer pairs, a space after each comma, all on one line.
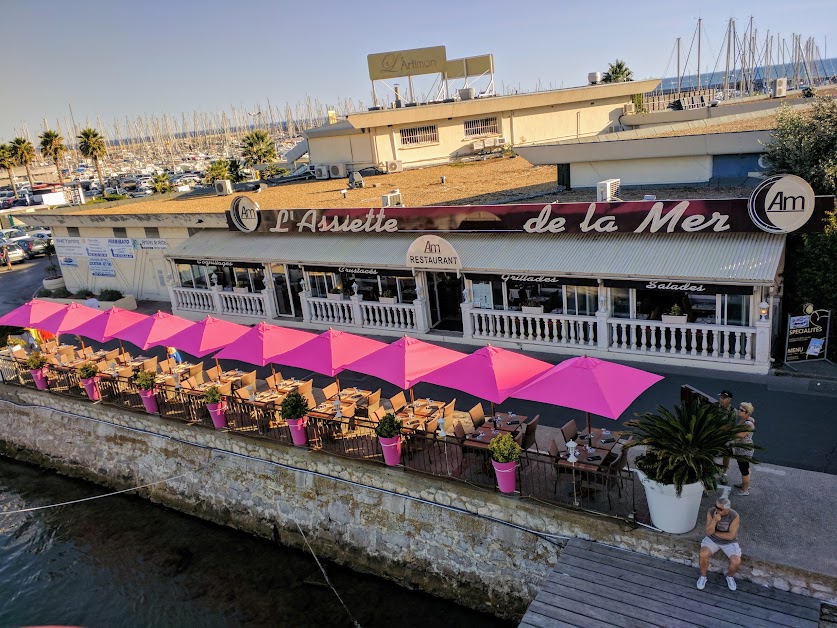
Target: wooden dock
[[598, 585]]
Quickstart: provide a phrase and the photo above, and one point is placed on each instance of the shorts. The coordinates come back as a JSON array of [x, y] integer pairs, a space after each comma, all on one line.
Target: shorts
[[730, 549], [744, 467]]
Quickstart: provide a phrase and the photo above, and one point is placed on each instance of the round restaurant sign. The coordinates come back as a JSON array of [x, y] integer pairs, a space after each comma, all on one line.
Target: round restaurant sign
[[431, 252], [781, 204], [245, 214]]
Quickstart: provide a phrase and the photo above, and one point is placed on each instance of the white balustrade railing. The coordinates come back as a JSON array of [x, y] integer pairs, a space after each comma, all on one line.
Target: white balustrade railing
[[400, 316], [330, 311], [552, 329], [192, 299], [719, 342], [244, 304]]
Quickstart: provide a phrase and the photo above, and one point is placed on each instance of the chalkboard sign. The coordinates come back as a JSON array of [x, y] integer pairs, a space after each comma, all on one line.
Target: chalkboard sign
[[807, 338]]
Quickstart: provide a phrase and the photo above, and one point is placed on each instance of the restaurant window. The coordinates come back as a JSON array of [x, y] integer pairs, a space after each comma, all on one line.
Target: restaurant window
[[483, 126], [620, 302], [736, 309], [488, 294], [152, 232], [416, 136], [120, 232], [582, 300], [192, 276], [703, 308], [547, 294], [321, 283]]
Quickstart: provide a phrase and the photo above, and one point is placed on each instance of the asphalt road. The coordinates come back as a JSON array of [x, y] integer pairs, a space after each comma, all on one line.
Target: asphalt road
[[19, 284]]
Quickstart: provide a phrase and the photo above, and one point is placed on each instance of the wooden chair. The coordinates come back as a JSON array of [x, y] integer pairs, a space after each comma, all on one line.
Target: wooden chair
[[124, 357], [112, 355], [309, 399], [86, 352], [398, 401], [331, 391], [102, 365], [555, 450], [306, 388], [150, 365], [213, 374], [272, 381], [166, 365], [243, 393], [569, 430], [531, 428], [249, 379], [195, 369], [198, 378], [520, 435], [69, 352], [372, 403], [448, 411], [477, 415], [50, 346]]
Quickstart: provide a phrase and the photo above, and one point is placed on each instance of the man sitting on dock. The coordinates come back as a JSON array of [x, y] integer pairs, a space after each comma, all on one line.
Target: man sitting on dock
[[722, 524]]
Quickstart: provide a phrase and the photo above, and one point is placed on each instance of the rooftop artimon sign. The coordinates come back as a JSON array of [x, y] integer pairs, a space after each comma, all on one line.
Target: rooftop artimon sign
[[388, 65]]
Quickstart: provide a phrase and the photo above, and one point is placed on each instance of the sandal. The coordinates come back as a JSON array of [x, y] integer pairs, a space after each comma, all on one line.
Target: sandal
[[742, 493]]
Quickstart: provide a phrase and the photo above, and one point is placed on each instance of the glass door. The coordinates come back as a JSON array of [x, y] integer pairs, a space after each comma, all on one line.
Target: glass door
[[445, 298], [279, 276]]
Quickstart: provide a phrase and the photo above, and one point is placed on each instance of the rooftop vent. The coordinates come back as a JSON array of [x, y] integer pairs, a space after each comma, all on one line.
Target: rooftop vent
[[594, 78]]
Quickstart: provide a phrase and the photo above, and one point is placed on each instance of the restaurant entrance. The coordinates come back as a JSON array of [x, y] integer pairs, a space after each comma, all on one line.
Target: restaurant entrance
[[445, 297]]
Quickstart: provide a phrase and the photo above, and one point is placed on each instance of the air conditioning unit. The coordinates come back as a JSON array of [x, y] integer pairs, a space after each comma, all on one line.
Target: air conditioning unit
[[393, 199], [628, 108], [607, 190], [223, 187], [337, 171], [780, 88], [501, 141], [478, 145], [321, 172], [395, 166]]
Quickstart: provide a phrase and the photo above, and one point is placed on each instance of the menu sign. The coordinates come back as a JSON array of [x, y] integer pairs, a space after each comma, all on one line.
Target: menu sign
[[807, 338]]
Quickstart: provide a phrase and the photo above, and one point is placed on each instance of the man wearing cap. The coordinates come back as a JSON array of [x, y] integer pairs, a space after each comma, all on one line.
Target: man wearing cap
[[725, 404], [722, 524]]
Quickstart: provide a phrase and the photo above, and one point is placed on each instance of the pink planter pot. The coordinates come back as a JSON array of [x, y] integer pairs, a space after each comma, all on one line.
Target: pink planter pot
[[506, 473], [149, 401], [39, 375], [91, 387], [299, 433], [218, 412], [392, 450]]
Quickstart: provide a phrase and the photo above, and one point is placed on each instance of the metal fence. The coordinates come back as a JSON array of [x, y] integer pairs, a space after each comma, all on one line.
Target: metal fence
[[540, 477]]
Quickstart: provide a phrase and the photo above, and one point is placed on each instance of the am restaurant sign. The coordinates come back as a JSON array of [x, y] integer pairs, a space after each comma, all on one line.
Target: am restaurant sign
[[781, 204]]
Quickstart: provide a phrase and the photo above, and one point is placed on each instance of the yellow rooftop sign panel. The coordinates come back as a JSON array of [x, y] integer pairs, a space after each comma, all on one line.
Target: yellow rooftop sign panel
[[470, 66], [388, 65]]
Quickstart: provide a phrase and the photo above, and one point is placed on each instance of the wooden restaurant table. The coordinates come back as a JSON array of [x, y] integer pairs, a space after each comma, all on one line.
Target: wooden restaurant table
[[326, 409], [602, 443], [423, 409], [508, 423], [288, 385], [352, 395]]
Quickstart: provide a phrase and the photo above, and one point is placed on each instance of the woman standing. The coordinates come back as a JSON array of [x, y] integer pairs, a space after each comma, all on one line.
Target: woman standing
[[745, 419]]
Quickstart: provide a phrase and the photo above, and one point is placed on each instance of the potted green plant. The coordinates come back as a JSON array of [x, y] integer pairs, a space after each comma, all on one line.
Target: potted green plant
[[242, 287], [679, 463], [216, 405], [388, 296], [37, 369], [530, 306], [389, 437], [87, 373], [505, 453], [294, 409], [674, 315], [146, 382], [335, 294]]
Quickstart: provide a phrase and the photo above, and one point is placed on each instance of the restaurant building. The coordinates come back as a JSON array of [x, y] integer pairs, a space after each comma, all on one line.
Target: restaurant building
[[668, 281]]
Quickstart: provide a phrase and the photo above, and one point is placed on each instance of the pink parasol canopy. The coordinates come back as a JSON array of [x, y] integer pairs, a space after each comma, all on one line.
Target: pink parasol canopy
[[258, 344], [404, 361], [31, 314], [489, 373], [206, 336], [590, 385], [72, 316], [105, 325], [153, 330], [329, 353]]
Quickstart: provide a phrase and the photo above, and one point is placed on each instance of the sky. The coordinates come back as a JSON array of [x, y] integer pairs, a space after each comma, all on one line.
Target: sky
[[114, 58]]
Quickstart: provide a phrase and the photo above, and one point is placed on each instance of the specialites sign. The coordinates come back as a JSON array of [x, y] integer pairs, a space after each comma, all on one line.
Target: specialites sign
[[431, 252], [807, 337], [782, 204]]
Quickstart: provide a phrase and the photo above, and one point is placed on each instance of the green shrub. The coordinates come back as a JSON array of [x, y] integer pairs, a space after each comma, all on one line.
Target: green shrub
[[388, 294], [146, 380], [87, 370], [212, 395], [293, 406], [61, 293], [388, 426], [335, 290], [43, 292], [504, 449], [13, 342], [84, 293], [114, 197], [36, 361], [110, 295]]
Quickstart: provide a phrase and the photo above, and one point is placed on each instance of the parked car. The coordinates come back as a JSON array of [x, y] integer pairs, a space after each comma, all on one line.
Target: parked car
[[44, 235], [140, 192], [12, 234], [16, 254], [32, 246]]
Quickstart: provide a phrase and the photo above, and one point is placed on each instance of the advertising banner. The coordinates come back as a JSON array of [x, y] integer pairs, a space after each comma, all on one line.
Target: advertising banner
[[151, 244], [96, 247], [71, 247], [807, 338], [120, 248], [101, 268], [387, 65]]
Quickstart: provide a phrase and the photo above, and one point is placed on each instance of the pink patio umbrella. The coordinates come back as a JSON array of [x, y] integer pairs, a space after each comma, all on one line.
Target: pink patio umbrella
[[31, 314], [153, 330], [206, 336], [590, 385], [329, 353], [404, 361], [489, 373], [258, 344], [102, 327], [72, 316]]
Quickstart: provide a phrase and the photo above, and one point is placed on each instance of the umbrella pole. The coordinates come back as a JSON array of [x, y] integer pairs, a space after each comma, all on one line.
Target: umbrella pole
[[218, 366], [589, 432], [493, 410], [412, 396]]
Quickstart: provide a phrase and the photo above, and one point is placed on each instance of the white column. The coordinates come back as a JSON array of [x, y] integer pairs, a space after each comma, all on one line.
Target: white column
[[172, 297], [602, 337], [216, 299], [467, 328], [422, 321], [762, 352], [357, 312], [269, 305], [304, 295]]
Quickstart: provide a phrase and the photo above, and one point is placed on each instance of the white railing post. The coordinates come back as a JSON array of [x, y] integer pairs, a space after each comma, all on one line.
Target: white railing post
[[217, 304], [422, 323], [762, 349], [304, 295], [269, 306], [467, 326], [602, 336], [357, 312]]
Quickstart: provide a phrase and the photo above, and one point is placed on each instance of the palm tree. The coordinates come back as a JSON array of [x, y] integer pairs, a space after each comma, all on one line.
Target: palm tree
[[617, 72], [258, 148], [235, 167], [7, 162], [92, 146], [160, 183], [24, 154], [217, 171], [52, 145]]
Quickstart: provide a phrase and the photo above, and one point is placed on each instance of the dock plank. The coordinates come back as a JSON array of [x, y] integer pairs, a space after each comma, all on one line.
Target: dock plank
[[595, 584]]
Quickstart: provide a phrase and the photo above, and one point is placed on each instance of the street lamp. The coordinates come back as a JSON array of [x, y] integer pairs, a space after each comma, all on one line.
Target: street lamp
[[763, 309]]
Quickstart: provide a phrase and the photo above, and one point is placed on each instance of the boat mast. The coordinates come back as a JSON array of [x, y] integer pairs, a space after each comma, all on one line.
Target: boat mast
[[698, 53], [726, 69]]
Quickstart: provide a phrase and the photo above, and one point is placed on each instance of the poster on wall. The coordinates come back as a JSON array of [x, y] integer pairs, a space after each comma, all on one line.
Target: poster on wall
[[120, 248], [807, 338], [482, 295], [96, 247], [151, 244], [69, 261], [71, 247], [101, 268]]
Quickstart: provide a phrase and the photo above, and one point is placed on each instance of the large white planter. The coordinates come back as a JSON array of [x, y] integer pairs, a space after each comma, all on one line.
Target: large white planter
[[670, 513], [54, 284], [334, 297], [532, 309], [128, 302], [388, 300], [674, 320]]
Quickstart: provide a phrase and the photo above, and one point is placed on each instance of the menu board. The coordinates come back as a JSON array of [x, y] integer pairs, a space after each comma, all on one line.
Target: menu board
[[807, 338]]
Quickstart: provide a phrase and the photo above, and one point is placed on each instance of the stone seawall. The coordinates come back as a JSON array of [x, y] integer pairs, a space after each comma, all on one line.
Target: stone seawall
[[476, 547]]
